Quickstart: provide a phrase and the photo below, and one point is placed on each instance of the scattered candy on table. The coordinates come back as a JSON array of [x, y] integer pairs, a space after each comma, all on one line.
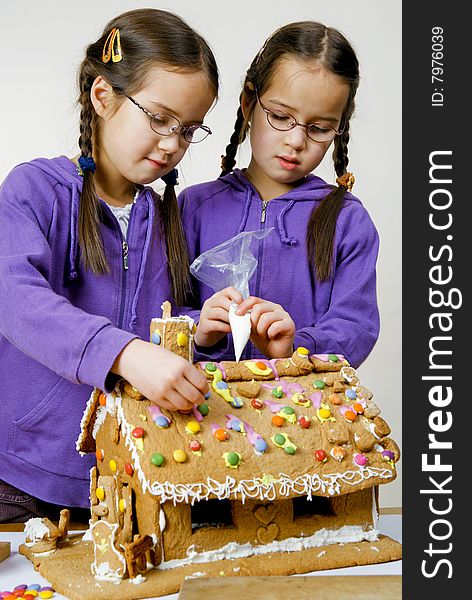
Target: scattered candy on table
[[28, 592]]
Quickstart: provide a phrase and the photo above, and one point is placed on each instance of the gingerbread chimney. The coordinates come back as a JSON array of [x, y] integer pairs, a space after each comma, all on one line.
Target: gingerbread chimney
[[174, 333]]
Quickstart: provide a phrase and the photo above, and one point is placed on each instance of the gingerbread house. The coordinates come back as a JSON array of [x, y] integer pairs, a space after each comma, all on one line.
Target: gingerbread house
[[277, 472]]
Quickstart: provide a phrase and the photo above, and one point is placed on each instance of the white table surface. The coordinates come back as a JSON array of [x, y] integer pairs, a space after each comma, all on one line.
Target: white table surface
[[17, 569]]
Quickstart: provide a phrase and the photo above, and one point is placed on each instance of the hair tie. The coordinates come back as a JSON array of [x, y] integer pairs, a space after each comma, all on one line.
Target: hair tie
[[171, 178], [86, 163], [347, 180], [112, 47]]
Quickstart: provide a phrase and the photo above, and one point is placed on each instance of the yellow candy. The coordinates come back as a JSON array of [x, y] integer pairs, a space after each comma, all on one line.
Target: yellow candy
[[182, 339], [179, 456], [45, 594], [32, 592], [113, 465], [100, 493], [122, 505], [325, 413], [193, 427], [303, 351]]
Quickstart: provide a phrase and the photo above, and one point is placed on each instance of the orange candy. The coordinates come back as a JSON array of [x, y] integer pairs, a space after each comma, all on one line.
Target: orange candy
[[100, 454], [278, 421], [357, 406], [102, 399], [350, 415], [260, 365], [221, 435]]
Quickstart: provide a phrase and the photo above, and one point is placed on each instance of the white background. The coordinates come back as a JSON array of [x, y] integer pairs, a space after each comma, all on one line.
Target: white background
[[42, 44]]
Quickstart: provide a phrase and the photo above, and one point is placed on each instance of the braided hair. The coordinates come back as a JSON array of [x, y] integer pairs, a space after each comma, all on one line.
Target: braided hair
[[148, 37], [306, 41]]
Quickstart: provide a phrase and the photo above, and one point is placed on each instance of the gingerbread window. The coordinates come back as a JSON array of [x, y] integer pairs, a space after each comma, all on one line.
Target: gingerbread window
[[318, 505], [211, 513]]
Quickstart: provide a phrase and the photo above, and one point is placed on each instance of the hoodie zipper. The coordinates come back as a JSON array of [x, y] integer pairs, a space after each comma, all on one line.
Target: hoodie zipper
[[264, 208]]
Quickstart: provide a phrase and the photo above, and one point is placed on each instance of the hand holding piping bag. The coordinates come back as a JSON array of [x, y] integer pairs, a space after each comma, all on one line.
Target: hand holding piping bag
[[227, 269]]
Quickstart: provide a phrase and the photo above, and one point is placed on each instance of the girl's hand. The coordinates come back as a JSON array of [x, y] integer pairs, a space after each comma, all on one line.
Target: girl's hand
[[214, 318], [273, 330], [163, 377]]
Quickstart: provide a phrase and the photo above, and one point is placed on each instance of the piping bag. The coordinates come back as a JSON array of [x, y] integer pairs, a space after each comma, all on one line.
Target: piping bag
[[231, 264]]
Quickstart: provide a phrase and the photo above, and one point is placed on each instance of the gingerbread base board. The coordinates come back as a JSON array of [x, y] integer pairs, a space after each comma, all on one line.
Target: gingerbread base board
[[68, 569]]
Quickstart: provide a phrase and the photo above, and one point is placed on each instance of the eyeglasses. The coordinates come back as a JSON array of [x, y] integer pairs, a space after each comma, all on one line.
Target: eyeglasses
[[283, 121], [168, 125]]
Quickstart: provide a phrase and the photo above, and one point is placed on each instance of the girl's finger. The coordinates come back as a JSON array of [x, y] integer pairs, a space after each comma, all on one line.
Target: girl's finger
[[177, 401], [247, 304]]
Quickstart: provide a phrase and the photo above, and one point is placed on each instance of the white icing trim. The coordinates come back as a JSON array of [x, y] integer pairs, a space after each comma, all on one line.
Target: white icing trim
[[35, 530], [323, 537], [83, 421]]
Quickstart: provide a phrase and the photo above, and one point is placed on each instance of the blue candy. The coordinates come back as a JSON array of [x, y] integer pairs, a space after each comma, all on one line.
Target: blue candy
[[260, 445], [222, 385], [156, 338], [237, 402], [207, 395], [161, 422], [351, 394]]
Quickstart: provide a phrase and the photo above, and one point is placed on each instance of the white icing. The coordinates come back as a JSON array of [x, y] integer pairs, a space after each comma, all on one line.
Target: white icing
[[322, 553], [162, 520], [375, 548], [375, 509], [196, 574], [87, 537], [240, 328], [104, 573], [35, 530], [323, 537], [137, 580], [83, 422], [101, 414]]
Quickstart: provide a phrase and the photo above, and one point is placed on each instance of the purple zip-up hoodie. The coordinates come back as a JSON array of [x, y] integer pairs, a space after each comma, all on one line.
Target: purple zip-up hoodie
[[61, 326], [339, 315]]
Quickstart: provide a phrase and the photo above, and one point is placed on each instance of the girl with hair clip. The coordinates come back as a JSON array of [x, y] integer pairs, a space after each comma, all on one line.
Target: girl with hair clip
[[315, 284], [89, 252]]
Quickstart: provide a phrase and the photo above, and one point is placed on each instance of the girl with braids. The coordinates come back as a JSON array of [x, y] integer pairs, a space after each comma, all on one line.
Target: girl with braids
[[89, 252], [315, 284]]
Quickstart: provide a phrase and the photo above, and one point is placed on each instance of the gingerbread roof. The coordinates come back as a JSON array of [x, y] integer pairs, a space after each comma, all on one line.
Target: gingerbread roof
[[279, 428]]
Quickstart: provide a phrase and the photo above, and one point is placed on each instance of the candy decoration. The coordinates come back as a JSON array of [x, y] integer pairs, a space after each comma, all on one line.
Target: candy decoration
[[129, 469], [210, 367], [320, 455], [121, 505], [203, 409], [232, 459], [258, 368], [157, 459], [303, 351], [357, 406], [289, 449], [158, 417], [324, 413], [319, 384], [156, 338], [100, 493], [221, 435], [46, 594], [360, 459], [281, 440], [278, 421], [192, 427], [333, 358], [182, 339], [237, 402], [207, 395], [350, 394], [338, 453], [301, 400], [350, 415], [257, 404], [138, 432], [278, 392], [102, 399], [388, 455], [303, 422], [195, 446], [100, 454], [113, 465], [260, 445], [180, 456]]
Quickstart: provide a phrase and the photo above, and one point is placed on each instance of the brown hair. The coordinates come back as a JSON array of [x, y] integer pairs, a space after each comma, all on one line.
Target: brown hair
[[148, 36], [307, 41]]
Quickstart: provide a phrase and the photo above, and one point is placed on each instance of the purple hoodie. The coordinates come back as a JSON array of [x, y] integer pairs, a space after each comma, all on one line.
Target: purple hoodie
[[339, 315], [61, 327]]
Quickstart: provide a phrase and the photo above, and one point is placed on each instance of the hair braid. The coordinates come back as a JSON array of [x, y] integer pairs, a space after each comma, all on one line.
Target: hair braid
[[237, 137]]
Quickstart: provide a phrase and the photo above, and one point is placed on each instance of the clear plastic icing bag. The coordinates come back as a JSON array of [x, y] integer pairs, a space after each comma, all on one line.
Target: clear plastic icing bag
[[231, 264]]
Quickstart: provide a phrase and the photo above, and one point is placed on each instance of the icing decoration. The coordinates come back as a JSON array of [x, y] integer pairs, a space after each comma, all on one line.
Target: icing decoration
[[360, 459], [301, 400], [240, 328], [326, 357], [278, 392], [338, 453], [234, 423], [324, 413], [237, 402], [179, 456], [157, 459], [156, 338], [316, 399], [137, 432], [273, 406], [100, 454], [258, 368], [129, 469], [140, 444], [350, 394], [256, 440], [319, 384], [158, 417], [232, 459], [113, 465], [143, 417], [303, 422], [320, 455], [281, 440], [195, 446], [222, 389], [257, 404], [182, 339], [192, 427], [277, 420], [350, 375]]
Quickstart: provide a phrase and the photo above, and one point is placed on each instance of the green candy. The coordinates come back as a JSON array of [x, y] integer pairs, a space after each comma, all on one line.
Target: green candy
[[203, 409], [210, 367], [233, 459], [333, 358], [319, 385], [289, 449], [157, 459], [279, 439], [277, 393], [288, 410]]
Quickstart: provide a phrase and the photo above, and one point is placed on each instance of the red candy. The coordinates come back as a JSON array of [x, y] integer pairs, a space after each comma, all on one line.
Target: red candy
[[138, 432], [194, 445], [129, 469], [304, 422], [257, 404], [320, 455]]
